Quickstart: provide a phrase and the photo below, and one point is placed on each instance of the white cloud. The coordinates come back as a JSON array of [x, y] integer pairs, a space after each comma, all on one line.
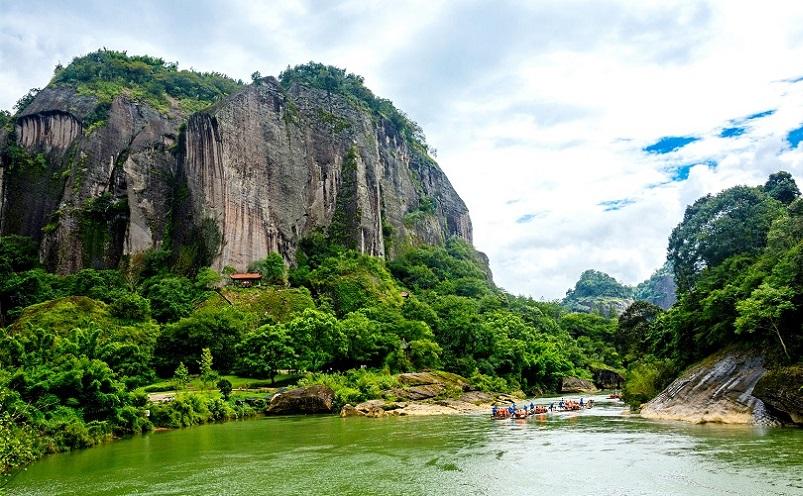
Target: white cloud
[[537, 109]]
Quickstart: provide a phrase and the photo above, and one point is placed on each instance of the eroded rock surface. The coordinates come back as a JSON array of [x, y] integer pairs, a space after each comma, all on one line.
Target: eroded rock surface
[[253, 174], [268, 167], [718, 389]]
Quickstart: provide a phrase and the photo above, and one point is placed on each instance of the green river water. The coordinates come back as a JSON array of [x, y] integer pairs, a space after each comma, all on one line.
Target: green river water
[[602, 451]]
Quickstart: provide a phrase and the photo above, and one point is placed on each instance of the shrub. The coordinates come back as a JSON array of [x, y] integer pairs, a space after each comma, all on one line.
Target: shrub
[[131, 307]]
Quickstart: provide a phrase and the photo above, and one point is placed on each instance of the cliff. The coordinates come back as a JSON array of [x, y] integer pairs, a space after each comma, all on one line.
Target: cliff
[[99, 169], [269, 166]]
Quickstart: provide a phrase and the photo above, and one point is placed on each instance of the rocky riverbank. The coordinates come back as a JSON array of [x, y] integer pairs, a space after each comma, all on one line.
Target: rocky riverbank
[[723, 389], [418, 393]]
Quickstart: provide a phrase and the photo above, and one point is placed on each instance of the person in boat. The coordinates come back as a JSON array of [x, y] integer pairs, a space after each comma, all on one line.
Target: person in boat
[[493, 411], [551, 406], [511, 409], [581, 402], [532, 407], [562, 403]]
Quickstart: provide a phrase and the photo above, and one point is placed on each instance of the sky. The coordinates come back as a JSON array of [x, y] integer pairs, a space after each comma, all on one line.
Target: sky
[[576, 131]]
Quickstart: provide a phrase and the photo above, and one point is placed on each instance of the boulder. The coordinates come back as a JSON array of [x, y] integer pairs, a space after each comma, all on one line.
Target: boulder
[[311, 399], [608, 379], [576, 385], [782, 390], [372, 408], [718, 389]]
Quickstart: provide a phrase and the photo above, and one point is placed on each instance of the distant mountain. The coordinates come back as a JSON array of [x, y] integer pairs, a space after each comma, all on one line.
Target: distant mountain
[[597, 292]]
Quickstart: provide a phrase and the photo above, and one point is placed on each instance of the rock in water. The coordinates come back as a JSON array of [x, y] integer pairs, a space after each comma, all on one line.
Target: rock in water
[[577, 385], [717, 389], [311, 399]]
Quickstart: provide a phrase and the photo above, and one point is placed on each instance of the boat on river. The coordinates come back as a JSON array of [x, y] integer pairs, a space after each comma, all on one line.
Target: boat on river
[[523, 413]]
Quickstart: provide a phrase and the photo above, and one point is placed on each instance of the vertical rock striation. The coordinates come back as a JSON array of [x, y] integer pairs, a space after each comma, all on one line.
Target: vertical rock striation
[[268, 167], [253, 174]]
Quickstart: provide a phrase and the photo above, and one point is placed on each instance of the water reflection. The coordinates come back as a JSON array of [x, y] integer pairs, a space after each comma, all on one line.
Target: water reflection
[[603, 450]]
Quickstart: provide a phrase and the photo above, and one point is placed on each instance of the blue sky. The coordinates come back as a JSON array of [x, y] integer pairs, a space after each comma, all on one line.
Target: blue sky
[[576, 132]]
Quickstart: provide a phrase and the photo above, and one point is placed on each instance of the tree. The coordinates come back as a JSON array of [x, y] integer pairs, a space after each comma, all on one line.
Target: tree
[[272, 268], [634, 326], [318, 338], [715, 228], [764, 309], [131, 307], [265, 352], [782, 187], [207, 373], [255, 76], [217, 329], [181, 377], [171, 297], [225, 388]]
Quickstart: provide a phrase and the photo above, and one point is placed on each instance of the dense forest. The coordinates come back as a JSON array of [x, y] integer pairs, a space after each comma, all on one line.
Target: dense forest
[[80, 352], [738, 263]]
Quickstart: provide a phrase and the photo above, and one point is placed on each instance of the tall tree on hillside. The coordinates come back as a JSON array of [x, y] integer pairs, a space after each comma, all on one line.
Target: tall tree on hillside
[[715, 228], [782, 187]]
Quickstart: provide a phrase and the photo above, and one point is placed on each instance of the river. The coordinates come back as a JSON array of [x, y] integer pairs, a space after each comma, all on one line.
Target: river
[[601, 451]]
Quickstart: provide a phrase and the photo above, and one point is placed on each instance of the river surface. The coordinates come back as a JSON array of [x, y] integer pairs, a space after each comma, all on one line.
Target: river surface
[[601, 451]]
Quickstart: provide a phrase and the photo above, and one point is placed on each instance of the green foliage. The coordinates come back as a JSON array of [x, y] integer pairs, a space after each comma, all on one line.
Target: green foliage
[[225, 388], [646, 378], [715, 228], [107, 74], [353, 386], [131, 307], [206, 373], [264, 352], [351, 86], [262, 304], [317, 337], [272, 268], [595, 283], [188, 409], [782, 187], [171, 297], [634, 327], [765, 309], [17, 254], [181, 377], [183, 341], [351, 281]]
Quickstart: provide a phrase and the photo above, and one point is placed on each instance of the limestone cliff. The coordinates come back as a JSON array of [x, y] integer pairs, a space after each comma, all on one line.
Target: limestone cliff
[[252, 174]]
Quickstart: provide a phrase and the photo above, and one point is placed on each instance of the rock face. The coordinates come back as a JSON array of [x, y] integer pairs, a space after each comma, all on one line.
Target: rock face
[[312, 399], [89, 195], [576, 385], [718, 389], [608, 379], [268, 167], [253, 174], [782, 390]]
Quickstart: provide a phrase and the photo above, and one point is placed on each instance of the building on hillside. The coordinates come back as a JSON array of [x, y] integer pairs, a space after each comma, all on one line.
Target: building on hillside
[[246, 279]]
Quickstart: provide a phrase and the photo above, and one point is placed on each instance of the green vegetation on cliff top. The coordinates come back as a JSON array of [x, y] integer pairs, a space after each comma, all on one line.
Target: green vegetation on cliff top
[[106, 74]]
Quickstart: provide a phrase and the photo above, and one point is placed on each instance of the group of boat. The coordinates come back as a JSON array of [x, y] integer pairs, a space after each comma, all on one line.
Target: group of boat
[[515, 412]]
